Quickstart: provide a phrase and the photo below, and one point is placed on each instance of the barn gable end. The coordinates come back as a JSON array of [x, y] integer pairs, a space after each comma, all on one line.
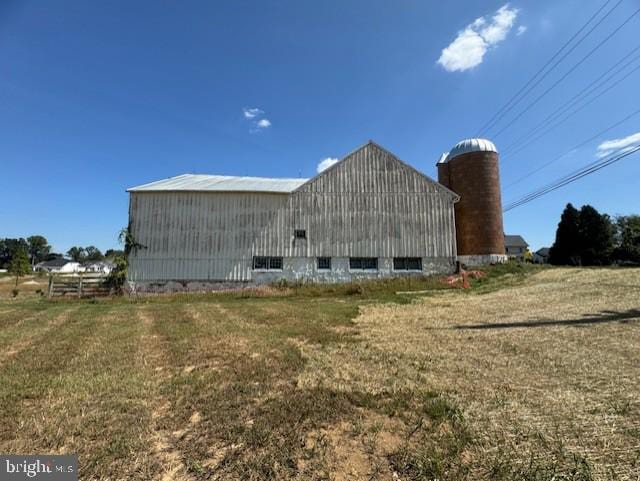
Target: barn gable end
[[373, 169]]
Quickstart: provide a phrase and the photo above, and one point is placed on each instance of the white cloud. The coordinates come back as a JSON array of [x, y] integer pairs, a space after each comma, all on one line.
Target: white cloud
[[521, 29], [624, 144], [251, 113], [258, 121], [326, 163], [469, 47]]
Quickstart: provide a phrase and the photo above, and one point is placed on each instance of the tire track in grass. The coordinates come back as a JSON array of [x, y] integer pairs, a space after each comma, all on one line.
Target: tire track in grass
[[162, 441], [25, 383], [14, 320], [81, 391], [114, 398], [31, 331]]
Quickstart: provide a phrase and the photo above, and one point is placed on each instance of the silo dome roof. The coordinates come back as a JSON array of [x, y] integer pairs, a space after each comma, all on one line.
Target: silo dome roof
[[443, 158], [471, 145]]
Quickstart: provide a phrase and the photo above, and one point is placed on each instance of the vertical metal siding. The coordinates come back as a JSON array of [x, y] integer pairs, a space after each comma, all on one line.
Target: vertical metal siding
[[368, 205], [202, 235]]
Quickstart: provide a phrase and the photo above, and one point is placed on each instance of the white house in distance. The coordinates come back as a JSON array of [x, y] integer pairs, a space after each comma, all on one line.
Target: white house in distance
[[59, 265], [101, 267]]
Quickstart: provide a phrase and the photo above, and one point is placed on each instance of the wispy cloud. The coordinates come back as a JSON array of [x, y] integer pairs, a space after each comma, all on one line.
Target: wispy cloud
[[521, 29], [324, 164], [623, 145], [251, 113], [468, 49], [256, 116]]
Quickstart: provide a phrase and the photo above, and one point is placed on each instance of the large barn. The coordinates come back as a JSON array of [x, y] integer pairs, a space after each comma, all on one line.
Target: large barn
[[369, 215]]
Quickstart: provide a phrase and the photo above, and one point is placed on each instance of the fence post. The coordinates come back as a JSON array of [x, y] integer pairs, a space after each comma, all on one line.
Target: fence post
[[80, 286], [50, 289]]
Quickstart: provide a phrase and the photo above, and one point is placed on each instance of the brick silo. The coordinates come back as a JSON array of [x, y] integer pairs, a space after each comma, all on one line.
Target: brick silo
[[470, 169]]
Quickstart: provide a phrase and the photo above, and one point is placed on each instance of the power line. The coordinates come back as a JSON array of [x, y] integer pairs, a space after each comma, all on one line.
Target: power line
[[533, 196], [585, 92], [571, 70], [514, 100], [581, 144], [572, 113], [574, 176]]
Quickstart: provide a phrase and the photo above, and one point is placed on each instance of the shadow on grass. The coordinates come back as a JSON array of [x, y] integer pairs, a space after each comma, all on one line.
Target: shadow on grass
[[602, 317]]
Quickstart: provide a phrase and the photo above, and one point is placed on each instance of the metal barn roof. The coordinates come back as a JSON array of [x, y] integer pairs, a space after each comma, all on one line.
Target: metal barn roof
[[470, 145], [220, 183]]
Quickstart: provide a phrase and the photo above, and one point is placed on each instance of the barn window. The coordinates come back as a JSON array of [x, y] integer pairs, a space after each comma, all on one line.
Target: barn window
[[260, 262], [300, 234], [267, 263], [324, 263], [363, 263], [407, 264]]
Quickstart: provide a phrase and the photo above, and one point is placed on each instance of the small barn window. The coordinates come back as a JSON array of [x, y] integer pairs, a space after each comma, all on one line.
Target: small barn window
[[363, 263], [300, 234], [267, 263], [324, 263], [407, 264], [260, 262]]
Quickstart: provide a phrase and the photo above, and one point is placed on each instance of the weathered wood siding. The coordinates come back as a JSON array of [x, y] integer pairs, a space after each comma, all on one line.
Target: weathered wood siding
[[368, 205], [373, 205]]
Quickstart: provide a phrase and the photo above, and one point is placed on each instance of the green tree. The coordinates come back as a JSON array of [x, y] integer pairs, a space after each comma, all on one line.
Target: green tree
[[19, 265], [595, 237], [113, 253], [76, 254], [565, 249], [92, 253], [627, 239], [39, 248], [8, 248]]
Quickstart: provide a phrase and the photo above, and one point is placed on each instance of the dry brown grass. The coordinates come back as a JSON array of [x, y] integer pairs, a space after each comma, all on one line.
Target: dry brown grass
[[548, 371], [28, 286], [528, 378]]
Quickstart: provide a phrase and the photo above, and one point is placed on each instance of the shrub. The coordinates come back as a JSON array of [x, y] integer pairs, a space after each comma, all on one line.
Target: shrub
[[118, 274]]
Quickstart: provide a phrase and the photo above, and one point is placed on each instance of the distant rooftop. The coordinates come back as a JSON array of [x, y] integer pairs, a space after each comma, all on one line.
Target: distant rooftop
[[57, 262], [514, 241], [220, 183]]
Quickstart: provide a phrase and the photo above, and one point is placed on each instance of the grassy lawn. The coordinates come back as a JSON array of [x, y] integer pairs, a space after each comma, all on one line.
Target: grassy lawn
[[534, 374]]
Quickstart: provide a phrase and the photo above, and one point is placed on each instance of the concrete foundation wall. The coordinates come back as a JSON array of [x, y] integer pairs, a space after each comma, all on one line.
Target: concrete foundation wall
[[483, 259], [298, 269]]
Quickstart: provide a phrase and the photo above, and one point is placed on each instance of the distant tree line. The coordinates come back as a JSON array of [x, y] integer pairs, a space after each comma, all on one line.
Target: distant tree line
[[37, 249], [91, 254], [587, 238]]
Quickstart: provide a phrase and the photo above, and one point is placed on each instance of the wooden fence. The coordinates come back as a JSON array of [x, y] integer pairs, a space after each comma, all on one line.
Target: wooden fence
[[78, 285]]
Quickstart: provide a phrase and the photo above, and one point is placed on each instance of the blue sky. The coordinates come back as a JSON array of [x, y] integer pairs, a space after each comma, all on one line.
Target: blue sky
[[100, 96]]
